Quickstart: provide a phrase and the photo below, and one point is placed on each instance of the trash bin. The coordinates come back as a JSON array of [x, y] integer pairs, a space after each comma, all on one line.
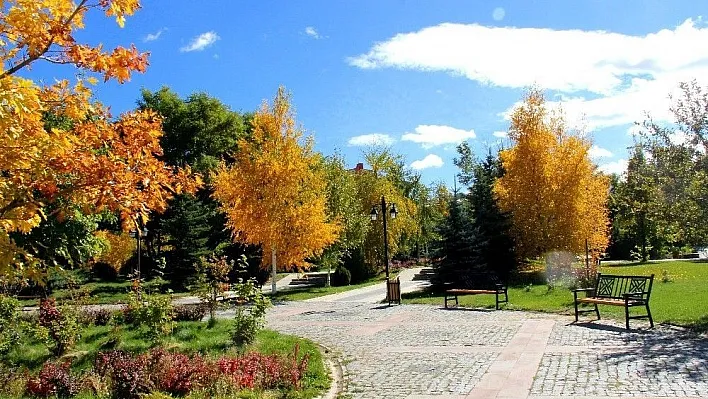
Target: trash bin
[[393, 291]]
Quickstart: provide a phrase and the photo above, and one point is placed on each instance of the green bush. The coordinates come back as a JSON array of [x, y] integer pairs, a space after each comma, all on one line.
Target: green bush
[[155, 312], [250, 312], [58, 326], [9, 323], [341, 277]]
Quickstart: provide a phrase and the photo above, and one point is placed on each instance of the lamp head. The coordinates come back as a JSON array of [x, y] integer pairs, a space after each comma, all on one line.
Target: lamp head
[[374, 214]]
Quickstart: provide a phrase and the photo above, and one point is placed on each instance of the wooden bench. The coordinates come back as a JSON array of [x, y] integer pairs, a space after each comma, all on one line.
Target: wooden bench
[[482, 284], [613, 290]]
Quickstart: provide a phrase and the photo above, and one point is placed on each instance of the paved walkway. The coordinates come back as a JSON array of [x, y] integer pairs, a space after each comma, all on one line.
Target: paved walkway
[[420, 351]]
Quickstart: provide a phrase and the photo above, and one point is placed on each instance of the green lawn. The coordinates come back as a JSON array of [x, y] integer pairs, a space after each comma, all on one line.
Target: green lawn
[[101, 292], [300, 294], [680, 301]]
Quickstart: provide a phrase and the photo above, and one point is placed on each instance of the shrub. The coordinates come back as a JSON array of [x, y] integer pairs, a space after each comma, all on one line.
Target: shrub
[[258, 371], [341, 277], [13, 383], [190, 312], [155, 312], [9, 323], [213, 278], [96, 316], [61, 325], [54, 380], [250, 312], [178, 374], [130, 376], [104, 271]]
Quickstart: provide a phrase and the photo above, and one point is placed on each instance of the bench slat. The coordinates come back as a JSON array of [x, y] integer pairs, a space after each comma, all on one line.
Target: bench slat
[[616, 290], [471, 292]]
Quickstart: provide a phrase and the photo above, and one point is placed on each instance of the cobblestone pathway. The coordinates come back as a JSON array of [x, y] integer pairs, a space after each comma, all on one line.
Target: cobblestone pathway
[[419, 351]]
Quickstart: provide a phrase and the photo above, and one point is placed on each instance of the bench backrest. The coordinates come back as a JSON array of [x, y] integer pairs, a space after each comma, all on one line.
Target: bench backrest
[[478, 281], [613, 286]]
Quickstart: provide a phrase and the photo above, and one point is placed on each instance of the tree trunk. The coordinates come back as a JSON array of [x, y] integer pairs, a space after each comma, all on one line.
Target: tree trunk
[[273, 271]]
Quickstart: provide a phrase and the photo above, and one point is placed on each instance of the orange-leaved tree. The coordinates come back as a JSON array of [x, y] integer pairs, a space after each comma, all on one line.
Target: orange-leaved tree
[[274, 193], [58, 145], [555, 194]]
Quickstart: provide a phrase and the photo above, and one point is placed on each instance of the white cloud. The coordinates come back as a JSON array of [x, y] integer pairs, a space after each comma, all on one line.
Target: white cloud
[[312, 32], [201, 42], [430, 161], [500, 134], [599, 152], [498, 13], [617, 167], [433, 135], [154, 36], [611, 78], [371, 139]]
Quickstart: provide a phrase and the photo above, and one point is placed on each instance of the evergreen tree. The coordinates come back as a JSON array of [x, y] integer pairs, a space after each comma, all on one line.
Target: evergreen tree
[[187, 228], [492, 225], [457, 252]]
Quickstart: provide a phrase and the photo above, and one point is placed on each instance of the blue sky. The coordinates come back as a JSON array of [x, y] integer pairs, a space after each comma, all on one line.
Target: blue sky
[[419, 75]]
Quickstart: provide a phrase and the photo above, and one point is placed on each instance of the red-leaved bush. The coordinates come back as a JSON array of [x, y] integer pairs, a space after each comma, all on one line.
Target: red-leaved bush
[[256, 370], [178, 374], [54, 380], [129, 374]]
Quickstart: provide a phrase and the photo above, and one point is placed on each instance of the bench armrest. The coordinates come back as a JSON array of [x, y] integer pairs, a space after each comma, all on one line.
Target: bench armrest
[[588, 292], [583, 289], [637, 295]]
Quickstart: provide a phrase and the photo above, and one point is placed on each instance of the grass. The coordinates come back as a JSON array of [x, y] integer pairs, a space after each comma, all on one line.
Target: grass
[[681, 300], [187, 337], [101, 292], [301, 294]]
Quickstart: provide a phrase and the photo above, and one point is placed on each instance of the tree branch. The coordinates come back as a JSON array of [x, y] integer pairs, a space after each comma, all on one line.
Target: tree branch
[[33, 58]]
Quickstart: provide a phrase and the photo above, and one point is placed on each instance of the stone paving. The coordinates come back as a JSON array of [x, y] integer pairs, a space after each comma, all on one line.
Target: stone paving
[[420, 351]]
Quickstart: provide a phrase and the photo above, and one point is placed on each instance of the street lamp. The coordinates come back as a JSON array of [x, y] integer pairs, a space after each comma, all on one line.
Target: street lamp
[[374, 215], [137, 234]]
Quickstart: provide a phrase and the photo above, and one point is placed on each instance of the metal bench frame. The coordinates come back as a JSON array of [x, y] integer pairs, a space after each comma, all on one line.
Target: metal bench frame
[[615, 290], [465, 288]]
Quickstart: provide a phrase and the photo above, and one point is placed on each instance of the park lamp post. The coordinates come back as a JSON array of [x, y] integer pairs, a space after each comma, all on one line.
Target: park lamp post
[[137, 234], [385, 208]]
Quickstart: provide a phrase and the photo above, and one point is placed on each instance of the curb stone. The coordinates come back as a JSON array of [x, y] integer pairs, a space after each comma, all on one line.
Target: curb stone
[[338, 372]]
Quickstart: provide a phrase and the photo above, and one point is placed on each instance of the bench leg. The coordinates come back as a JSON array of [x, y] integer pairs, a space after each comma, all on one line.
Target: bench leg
[[651, 321], [576, 310], [597, 312], [626, 316], [497, 299]]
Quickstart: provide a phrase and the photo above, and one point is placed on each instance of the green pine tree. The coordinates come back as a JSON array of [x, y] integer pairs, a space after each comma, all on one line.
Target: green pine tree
[[457, 253], [187, 227], [492, 225]]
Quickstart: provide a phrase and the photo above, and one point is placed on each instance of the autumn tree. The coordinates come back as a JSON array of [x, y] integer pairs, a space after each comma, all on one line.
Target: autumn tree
[[554, 193], [343, 205], [92, 160], [199, 131], [272, 195], [386, 178]]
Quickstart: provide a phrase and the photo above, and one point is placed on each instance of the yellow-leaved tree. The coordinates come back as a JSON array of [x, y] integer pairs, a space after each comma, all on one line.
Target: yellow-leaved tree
[[555, 194], [385, 179], [274, 193], [58, 145]]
